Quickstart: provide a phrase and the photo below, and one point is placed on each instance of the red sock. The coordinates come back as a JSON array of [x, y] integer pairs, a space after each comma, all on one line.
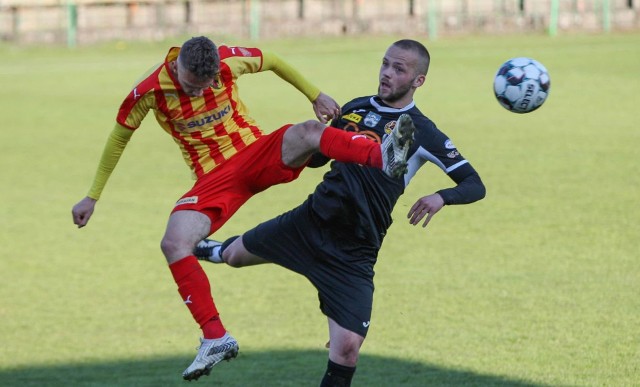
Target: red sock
[[193, 286], [350, 147]]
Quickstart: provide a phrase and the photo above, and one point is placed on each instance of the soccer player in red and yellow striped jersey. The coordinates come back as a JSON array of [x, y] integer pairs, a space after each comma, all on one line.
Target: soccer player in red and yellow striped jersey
[[194, 97]]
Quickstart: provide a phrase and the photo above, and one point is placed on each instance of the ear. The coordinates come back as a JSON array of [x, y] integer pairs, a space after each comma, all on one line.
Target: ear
[[419, 80]]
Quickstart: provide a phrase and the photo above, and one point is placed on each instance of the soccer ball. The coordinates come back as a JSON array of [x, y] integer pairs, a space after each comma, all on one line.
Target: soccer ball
[[521, 85]]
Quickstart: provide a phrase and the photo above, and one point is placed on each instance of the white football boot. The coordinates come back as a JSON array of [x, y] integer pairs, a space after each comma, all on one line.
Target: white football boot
[[210, 353]]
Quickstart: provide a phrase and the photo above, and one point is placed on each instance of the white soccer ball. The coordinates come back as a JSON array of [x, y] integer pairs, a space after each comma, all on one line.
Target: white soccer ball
[[521, 85]]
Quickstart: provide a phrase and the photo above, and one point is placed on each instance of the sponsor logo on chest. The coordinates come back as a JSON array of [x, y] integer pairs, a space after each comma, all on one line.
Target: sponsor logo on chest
[[353, 117], [203, 122]]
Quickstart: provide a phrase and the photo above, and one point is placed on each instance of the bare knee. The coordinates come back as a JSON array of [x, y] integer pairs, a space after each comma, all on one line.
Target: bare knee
[[175, 249], [309, 133], [300, 142], [184, 230], [312, 127], [347, 355], [346, 351], [168, 246]]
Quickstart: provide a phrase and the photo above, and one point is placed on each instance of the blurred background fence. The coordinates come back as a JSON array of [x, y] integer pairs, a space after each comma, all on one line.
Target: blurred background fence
[[74, 22]]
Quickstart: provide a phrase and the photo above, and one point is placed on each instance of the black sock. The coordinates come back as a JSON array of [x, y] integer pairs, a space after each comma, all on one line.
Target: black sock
[[337, 375], [226, 243]]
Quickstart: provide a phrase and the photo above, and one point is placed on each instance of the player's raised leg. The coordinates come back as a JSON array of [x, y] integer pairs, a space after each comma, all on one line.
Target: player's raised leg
[[235, 254], [303, 140]]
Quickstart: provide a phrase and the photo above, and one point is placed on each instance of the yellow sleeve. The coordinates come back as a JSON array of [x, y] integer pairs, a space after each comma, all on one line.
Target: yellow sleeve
[[113, 149], [285, 71]]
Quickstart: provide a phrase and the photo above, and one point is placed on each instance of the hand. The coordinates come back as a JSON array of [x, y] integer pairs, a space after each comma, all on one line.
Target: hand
[[82, 211], [428, 206], [326, 108]]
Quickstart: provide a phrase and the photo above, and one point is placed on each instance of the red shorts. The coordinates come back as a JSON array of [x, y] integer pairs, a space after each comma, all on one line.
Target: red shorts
[[221, 192]]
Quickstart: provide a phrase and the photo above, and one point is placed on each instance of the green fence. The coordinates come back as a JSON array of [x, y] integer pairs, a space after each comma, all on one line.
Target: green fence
[[87, 21]]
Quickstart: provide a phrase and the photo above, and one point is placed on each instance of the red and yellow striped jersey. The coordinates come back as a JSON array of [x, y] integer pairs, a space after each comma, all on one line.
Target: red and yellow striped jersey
[[208, 129]]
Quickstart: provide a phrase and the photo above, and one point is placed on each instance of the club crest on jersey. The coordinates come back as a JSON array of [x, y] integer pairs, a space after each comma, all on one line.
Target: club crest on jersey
[[449, 145], [372, 119], [242, 51], [353, 117], [388, 128]]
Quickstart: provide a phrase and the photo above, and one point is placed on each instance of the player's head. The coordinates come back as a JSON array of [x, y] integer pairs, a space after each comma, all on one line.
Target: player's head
[[197, 65], [404, 67]]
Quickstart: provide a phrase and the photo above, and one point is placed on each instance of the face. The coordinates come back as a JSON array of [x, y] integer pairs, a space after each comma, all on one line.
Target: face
[[398, 78], [190, 84]]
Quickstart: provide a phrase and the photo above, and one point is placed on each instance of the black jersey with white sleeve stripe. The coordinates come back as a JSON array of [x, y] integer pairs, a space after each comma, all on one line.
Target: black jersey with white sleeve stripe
[[360, 199]]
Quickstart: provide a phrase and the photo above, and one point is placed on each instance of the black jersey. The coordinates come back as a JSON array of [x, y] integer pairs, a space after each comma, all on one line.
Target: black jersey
[[359, 200]]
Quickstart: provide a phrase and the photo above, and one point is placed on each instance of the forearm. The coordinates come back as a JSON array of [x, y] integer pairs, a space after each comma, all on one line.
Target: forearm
[[288, 73], [469, 190], [113, 149]]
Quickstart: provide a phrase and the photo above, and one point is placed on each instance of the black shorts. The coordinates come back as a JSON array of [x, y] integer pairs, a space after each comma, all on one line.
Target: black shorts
[[340, 268]]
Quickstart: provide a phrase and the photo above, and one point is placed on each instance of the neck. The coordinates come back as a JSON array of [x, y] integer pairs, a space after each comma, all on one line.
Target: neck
[[398, 104], [173, 66]]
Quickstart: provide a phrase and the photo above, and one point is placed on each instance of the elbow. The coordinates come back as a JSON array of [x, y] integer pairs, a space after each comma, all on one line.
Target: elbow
[[482, 192], [479, 189]]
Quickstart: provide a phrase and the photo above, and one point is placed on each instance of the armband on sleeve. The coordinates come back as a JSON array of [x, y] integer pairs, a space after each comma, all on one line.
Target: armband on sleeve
[[113, 149], [288, 73]]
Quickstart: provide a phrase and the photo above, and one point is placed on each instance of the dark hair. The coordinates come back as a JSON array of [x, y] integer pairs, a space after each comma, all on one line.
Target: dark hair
[[418, 48], [199, 55]]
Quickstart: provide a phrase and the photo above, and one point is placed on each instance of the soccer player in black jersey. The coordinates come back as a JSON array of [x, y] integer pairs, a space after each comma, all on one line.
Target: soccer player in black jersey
[[333, 238]]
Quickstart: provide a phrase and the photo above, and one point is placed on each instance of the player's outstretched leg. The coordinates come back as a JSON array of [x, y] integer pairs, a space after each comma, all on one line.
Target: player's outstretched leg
[[395, 147], [208, 250], [210, 353]]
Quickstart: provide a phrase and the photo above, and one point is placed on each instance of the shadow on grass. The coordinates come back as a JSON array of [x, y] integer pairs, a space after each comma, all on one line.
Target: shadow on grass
[[273, 368]]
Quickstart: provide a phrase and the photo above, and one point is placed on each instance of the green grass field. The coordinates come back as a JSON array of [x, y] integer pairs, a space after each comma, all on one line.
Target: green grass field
[[537, 285]]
